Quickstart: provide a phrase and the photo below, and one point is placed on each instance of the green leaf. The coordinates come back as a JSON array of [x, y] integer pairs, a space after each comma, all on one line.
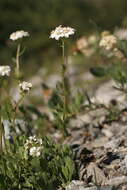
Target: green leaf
[[122, 45], [99, 71], [68, 169], [7, 110]]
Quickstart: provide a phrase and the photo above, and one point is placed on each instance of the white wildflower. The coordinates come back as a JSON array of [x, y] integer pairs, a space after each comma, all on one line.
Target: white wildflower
[[39, 141], [27, 145], [35, 151], [33, 146], [62, 32], [18, 34], [108, 42], [33, 138], [5, 70], [32, 141], [25, 86]]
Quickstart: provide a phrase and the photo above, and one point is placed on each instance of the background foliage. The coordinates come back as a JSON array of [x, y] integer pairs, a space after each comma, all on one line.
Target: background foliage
[[40, 17]]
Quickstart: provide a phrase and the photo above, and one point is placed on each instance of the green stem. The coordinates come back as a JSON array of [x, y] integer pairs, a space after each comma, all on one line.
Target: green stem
[[63, 73], [1, 134], [63, 50], [16, 108], [4, 140], [63, 65], [17, 60], [65, 91]]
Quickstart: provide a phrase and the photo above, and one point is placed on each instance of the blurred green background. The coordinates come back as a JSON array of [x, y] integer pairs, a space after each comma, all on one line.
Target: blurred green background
[[41, 16]]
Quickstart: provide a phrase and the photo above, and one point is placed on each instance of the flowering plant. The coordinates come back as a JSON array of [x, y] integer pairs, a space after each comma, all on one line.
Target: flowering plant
[[5, 70], [62, 32], [18, 34], [29, 161]]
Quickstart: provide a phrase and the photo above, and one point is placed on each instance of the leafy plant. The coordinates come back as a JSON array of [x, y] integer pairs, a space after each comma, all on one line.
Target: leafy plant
[[53, 168]]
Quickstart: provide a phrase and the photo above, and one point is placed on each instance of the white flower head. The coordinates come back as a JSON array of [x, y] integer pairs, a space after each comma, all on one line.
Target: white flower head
[[32, 141], [34, 146], [62, 32], [18, 34], [108, 42], [25, 86], [5, 70], [35, 151], [33, 138]]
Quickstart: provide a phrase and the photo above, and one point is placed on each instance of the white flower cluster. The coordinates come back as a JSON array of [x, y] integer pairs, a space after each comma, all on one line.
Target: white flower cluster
[[35, 151], [86, 45], [5, 70], [108, 42], [62, 32], [25, 86], [18, 34], [33, 146]]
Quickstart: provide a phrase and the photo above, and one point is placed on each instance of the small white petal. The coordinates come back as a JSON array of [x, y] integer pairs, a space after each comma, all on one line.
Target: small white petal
[[62, 32], [108, 42], [35, 151], [18, 34], [25, 86], [5, 70]]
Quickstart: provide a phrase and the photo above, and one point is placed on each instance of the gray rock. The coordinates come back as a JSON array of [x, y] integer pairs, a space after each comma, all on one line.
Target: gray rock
[[75, 185]]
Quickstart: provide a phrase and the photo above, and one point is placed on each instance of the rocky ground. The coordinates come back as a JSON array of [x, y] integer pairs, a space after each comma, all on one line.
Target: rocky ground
[[100, 152], [100, 145], [99, 142]]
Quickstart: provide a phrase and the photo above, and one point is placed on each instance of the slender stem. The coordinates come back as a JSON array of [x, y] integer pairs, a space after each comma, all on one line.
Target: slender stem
[[63, 51], [63, 76], [16, 109], [17, 60], [1, 134], [65, 93]]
